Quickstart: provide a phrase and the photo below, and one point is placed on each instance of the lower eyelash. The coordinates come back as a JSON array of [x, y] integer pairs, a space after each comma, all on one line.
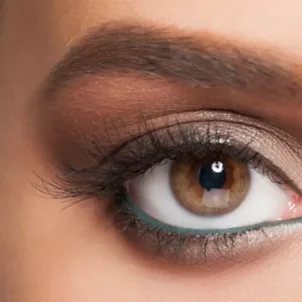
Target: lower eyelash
[[207, 247]]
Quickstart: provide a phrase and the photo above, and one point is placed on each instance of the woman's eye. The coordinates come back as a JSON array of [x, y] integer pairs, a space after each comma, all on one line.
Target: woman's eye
[[199, 191], [209, 194]]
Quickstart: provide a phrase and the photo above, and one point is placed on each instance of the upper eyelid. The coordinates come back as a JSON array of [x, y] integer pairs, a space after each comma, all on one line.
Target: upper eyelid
[[98, 176], [149, 126], [287, 148], [119, 165], [159, 139]]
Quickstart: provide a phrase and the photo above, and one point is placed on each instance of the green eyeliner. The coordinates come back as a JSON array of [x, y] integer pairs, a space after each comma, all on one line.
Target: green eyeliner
[[133, 209]]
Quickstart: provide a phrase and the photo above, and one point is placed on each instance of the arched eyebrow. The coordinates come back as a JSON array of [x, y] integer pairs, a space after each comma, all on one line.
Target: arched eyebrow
[[200, 60]]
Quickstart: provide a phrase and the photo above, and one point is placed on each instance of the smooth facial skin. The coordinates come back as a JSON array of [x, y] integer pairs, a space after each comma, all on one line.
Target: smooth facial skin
[[50, 252]]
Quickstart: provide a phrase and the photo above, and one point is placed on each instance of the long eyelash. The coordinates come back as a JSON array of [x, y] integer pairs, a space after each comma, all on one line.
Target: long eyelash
[[109, 172]]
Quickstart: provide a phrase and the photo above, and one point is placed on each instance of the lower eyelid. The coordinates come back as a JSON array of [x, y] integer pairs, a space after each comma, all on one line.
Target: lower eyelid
[[195, 246], [133, 211], [213, 249]]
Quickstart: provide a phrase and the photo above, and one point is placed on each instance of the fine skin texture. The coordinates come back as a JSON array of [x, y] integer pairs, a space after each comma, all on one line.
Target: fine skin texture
[[50, 252]]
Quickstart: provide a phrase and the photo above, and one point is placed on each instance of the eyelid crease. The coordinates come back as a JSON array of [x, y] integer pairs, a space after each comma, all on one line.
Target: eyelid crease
[[147, 126]]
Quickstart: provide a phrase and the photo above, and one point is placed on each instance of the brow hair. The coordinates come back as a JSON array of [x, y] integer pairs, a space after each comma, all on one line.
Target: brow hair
[[165, 52]]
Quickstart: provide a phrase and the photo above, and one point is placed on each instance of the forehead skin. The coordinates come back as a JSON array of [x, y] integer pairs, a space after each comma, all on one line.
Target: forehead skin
[[62, 23], [46, 256]]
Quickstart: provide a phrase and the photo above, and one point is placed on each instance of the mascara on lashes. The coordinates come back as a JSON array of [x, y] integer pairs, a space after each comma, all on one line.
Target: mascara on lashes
[[138, 155]]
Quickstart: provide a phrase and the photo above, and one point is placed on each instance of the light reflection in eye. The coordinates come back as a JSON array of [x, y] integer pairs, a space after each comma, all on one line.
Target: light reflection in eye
[[208, 187]]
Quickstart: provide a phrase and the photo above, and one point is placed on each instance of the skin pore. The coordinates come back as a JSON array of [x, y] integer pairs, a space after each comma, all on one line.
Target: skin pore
[[51, 251]]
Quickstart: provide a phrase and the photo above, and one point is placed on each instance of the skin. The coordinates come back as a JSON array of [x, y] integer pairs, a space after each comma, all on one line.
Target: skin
[[48, 254]]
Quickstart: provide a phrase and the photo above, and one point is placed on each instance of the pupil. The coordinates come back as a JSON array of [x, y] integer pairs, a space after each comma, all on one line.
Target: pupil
[[212, 176]]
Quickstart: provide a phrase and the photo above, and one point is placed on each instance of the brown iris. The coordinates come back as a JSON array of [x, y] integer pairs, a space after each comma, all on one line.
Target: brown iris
[[210, 187]]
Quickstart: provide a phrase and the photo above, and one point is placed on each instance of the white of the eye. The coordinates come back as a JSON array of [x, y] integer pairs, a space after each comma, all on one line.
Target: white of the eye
[[152, 192]]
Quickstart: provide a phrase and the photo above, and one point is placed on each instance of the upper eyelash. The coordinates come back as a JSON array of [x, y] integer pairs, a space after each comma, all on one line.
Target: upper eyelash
[[109, 173]]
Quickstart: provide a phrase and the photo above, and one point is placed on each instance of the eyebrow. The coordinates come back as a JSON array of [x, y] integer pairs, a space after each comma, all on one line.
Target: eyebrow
[[200, 60]]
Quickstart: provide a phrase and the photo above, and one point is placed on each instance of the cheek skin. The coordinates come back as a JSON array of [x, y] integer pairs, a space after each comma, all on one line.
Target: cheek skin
[[60, 259]]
